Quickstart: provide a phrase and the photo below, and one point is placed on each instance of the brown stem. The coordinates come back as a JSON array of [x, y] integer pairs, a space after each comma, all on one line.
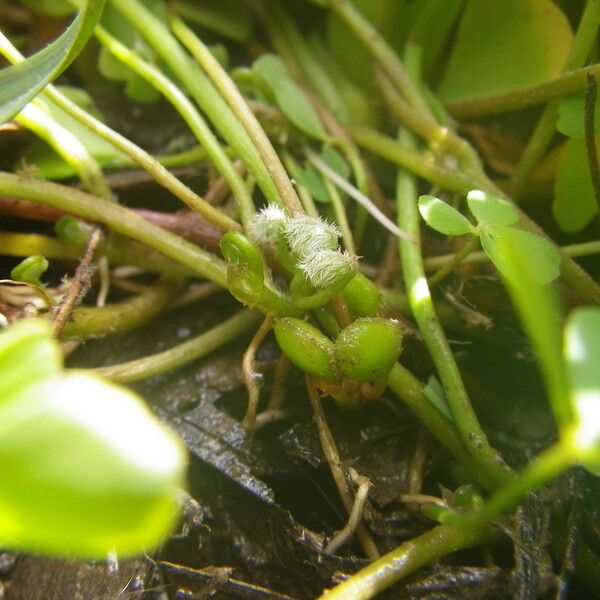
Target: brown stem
[[185, 223], [278, 391], [130, 177], [218, 191], [388, 267], [414, 473], [341, 311]]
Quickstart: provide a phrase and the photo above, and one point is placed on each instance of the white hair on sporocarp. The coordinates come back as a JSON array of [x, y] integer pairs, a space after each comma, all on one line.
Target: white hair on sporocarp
[[327, 267], [268, 224], [307, 236], [312, 240]]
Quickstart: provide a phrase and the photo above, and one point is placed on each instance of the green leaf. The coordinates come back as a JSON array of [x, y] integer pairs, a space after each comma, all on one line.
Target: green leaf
[[229, 18], [296, 106], [571, 116], [434, 392], [290, 98], [27, 354], [442, 217], [581, 352], [489, 210], [136, 87], [334, 160], [271, 69], [528, 247], [540, 313], [30, 270], [22, 82], [312, 180], [574, 203], [432, 26], [50, 165], [390, 17], [86, 468], [50, 8], [505, 45]]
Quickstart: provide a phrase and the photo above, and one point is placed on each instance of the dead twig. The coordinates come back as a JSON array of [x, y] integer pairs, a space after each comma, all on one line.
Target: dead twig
[[79, 285]]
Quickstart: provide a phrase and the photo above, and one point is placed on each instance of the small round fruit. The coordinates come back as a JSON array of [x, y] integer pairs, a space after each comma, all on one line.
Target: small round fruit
[[367, 349], [306, 347]]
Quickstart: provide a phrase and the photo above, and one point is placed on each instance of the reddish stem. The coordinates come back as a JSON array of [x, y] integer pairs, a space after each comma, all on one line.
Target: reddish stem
[[185, 223]]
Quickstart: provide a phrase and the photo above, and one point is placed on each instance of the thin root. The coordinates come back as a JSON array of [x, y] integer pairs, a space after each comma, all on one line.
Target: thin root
[[333, 460], [343, 536], [251, 377]]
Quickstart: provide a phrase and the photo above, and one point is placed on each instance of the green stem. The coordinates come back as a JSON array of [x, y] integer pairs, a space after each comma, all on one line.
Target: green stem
[[159, 37], [409, 389], [406, 559], [26, 244], [184, 353], [382, 52], [190, 115], [238, 105], [186, 158], [548, 465], [308, 203], [321, 297], [563, 85], [352, 154], [36, 118], [347, 146], [421, 303], [300, 56], [590, 136], [545, 129], [310, 61], [142, 158], [364, 201], [117, 218], [456, 260], [58, 170], [433, 263], [118, 249], [424, 166], [67, 146], [90, 172], [87, 322], [440, 138], [340, 215]]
